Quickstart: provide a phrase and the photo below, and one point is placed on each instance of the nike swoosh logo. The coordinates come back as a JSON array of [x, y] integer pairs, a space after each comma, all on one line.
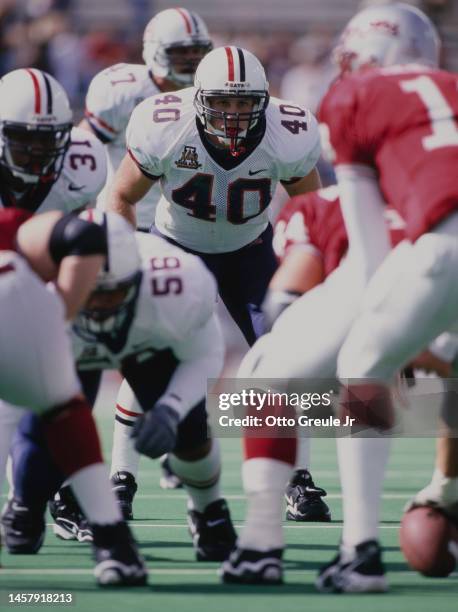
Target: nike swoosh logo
[[215, 523], [73, 187], [252, 173]]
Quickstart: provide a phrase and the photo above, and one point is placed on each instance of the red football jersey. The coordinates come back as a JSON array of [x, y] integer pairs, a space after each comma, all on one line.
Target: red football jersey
[[314, 220], [10, 221], [402, 121]]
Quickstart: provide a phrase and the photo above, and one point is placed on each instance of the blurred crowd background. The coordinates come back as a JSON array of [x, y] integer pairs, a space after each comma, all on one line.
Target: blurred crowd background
[[74, 39]]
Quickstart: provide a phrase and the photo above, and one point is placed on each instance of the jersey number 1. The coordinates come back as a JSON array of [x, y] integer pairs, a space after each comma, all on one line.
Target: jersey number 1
[[445, 132]]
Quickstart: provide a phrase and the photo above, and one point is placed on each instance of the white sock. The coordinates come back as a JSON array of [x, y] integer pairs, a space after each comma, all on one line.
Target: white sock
[[92, 488], [264, 482], [124, 457], [201, 478], [9, 419], [303, 454], [362, 463]]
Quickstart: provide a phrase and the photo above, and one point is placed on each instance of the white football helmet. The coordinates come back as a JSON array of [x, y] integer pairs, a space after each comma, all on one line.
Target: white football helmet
[[387, 35], [35, 125], [233, 72], [111, 307], [165, 35]]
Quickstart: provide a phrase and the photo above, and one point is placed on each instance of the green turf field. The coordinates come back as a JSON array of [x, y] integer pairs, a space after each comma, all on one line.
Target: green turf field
[[177, 582]]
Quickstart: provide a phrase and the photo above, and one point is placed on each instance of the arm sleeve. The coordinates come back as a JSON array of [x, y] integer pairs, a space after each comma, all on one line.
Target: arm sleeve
[[102, 109], [201, 356], [308, 152], [362, 207], [143, 142]]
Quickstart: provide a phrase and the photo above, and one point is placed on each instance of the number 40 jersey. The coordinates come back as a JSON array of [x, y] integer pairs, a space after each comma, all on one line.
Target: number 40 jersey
[[208, 205]]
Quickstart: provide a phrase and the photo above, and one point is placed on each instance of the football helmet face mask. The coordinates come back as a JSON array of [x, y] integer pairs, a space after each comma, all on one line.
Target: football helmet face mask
[[35, 126], [386, 36], [231, 72], [110, 309], [174, 43]]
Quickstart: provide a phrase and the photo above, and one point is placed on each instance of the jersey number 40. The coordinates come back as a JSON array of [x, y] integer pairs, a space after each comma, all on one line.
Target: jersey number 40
[[196, 195]]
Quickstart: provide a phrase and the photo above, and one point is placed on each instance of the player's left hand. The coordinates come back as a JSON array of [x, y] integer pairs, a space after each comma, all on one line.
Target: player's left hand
[[155, 432]]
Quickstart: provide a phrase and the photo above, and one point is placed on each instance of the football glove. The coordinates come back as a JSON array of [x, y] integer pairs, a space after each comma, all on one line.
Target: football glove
[[155, 432]]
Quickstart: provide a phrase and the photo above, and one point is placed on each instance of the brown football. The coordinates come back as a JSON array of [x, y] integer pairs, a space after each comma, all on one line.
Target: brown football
[[429, 541]]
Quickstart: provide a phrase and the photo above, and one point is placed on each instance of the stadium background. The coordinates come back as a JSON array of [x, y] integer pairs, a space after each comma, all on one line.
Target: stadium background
[[73, 40]]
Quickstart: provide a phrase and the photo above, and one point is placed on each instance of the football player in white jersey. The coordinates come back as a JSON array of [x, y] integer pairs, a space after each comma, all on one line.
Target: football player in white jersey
[[219, 150], [167, 344], [49, 265], [174, 42], [45, 164]]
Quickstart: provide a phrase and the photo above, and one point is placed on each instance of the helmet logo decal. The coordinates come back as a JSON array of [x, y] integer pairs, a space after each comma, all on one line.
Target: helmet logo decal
[[386, 26], [189, 159]]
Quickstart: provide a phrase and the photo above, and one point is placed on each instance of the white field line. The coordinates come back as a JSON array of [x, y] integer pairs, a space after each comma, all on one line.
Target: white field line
[[154, 525], [153, 572], [183, 496]]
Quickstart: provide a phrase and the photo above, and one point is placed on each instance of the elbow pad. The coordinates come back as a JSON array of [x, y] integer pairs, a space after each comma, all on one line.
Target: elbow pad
[[72, 235]]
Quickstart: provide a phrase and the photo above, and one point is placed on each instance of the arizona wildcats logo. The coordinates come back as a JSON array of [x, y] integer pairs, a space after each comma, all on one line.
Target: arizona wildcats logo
[[189, 159]]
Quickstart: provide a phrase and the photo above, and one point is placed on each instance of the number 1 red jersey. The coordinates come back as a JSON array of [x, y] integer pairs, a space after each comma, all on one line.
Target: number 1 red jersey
[[402, 121]]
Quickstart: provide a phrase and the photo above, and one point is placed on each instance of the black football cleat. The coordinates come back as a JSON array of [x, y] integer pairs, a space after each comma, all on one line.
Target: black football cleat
[[212, 531], [168, 479], [118, 562], [23, 528], [246, 566], [304, 499], [363, 572], [69, 520], [125, 487]]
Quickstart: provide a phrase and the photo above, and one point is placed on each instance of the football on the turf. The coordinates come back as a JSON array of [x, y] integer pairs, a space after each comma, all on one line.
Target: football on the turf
[[429, 541]]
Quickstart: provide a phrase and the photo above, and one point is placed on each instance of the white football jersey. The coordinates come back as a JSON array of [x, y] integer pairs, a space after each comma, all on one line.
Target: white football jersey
[[177, 298], [203, 206], [82, 177], [112, 96]]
